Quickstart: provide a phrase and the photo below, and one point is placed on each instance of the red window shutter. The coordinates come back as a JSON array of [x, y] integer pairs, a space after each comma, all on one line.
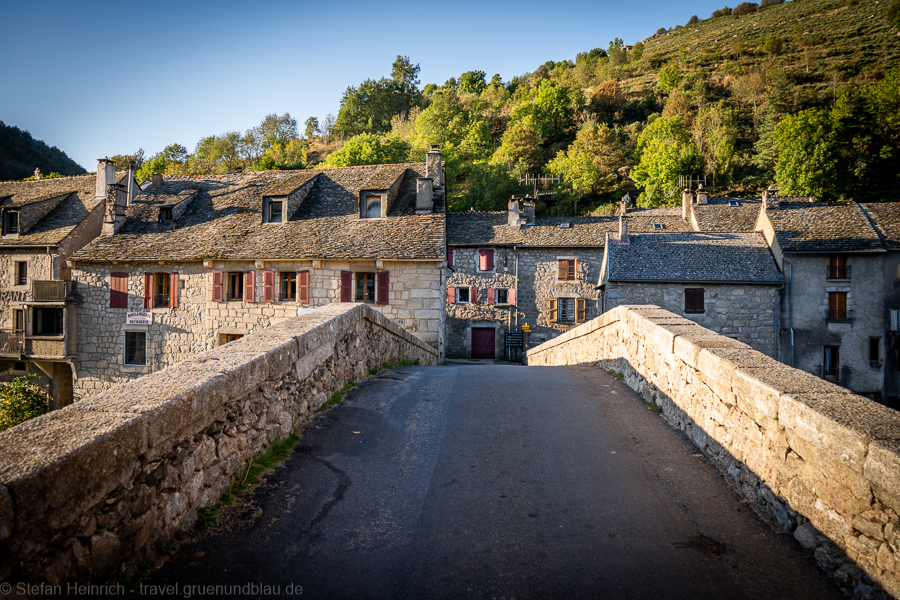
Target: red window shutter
[[490, 260], [482, 260], [173, 290], [451, 295], [249, 286], [303, 287], [449, 257], [473, 295], [511, 297], [384, 287], [269, 286], [148, 290], [118, 292], [217, 286], [346, 286], [490, 295]]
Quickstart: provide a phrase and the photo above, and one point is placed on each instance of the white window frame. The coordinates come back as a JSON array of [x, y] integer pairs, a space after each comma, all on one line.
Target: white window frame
[[267, 212]]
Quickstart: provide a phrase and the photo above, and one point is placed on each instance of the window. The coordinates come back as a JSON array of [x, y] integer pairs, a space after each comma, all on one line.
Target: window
[[462, 295], [567, 269], [837, 267], [501, 296], [48, 321], [22, 273], [288, 285], [895, 321], [874, 351], [485, 260], [165, 214], [118, 290], [365, 287], [837, 307], [235, 285], [831, 364], [19, 320], [136, 348], [274, 212], [160, 290], [567, 310], [693, 301], [11, 222], [371, 208], [658, 226], [225, 338], [733, 203]]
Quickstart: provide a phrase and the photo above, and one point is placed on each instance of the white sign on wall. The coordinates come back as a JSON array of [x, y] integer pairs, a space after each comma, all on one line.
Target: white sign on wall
[[138, 318]]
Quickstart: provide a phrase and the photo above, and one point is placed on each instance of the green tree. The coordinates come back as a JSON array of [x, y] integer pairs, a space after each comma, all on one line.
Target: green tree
[[715, 134], [521, 147], [489, 186], [312, 127], [369, 149], [669, 77], [276, 129], [809, 157], [20, 400], [472, 82], [665, 151], [446, 121], [893, 14], [592, 162]]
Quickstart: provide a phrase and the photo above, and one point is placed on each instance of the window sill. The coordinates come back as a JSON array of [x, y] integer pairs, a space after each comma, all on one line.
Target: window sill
[[695, 312], [45, 338]]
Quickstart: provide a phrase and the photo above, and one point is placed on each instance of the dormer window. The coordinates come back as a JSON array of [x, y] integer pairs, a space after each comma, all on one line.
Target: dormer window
[[273, 211], [11, 222], [371, 205], [165, 214]]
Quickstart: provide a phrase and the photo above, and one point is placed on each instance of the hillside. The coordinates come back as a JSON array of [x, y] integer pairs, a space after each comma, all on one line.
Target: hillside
[[20, 154]]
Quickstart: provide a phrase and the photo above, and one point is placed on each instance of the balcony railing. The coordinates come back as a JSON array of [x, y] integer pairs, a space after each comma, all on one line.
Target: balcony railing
[[835, 374], [51, 291], [12, 341], [839, 316], [838, 272]]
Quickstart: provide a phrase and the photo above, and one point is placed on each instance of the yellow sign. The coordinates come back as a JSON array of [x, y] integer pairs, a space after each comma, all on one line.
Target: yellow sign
[[526, 328]]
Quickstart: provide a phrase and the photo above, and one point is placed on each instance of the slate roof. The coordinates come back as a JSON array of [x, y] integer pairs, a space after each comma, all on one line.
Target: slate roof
[[886, 217], [693, 258], [719, 215], [491, 229], [53, 228], [821, 227], [224, 221]]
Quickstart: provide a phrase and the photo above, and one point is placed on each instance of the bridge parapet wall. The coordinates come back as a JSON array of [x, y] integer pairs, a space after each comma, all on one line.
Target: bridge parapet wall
[[95, 487], [820, 460]]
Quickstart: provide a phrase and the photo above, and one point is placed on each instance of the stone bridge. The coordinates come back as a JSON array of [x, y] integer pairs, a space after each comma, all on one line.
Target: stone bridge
[[93, 488]]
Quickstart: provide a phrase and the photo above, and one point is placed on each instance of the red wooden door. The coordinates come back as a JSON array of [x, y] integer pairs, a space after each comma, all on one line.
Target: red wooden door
[[482, 343]]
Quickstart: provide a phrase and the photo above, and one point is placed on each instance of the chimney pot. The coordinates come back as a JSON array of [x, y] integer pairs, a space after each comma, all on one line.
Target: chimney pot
[[702, 195], [156, 180], [106, 175], [623, 229], [528, 211]]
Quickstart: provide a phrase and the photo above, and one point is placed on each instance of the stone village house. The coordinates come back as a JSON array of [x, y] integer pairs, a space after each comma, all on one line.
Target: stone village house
[[44, 222], [196, 262]]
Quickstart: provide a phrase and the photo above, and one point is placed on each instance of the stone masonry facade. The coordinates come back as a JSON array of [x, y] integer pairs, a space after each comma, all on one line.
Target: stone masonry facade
[[744, 312], [823, 463], [198, 324], [119, 474]]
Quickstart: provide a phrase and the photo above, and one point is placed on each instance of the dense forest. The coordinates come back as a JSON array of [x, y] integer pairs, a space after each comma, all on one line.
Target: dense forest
[[804, 95], [20, 154]]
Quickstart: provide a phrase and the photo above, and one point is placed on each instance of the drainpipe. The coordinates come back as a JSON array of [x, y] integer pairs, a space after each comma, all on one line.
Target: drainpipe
[[790, 304], [516, 307], [777, 317]]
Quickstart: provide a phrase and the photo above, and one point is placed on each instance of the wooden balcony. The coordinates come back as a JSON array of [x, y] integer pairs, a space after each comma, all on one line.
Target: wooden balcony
[[54, 346], [51, 291]]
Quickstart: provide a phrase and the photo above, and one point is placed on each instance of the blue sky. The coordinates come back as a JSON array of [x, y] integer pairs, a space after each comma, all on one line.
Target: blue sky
[[103, 78]]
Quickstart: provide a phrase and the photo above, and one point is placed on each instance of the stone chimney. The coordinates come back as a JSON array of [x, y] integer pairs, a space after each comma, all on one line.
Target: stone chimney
[[527, 211], [623, 229], [424, 195], [770, 198], [114, 216], [132, 187], [686, 198], [156, 180], [106, 175], [512, 218], [702, 196], [433, 167]]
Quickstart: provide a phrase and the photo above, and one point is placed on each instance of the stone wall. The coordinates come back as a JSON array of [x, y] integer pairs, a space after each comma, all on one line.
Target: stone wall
[[822, 462], [743, 312], [199, 324], [92, 489]]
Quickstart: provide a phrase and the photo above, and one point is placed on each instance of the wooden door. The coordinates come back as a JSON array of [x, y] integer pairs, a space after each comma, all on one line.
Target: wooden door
[[482, 343]]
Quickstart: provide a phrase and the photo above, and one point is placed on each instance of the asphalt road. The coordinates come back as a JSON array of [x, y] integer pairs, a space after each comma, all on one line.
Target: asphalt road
[[496, 481]]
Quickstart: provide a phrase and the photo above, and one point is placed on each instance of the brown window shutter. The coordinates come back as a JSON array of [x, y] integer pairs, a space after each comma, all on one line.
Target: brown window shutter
[[217, 286], [553, 310], [118, 293], [173, 290], [511, 297], [473, 295], [303, 287], [148, 290], [249, 287], [269, 286], [346, 286], [563, 270], [384, 287], [490, 259], [579, 310], [449, 257], [490, 295], [451, 295]]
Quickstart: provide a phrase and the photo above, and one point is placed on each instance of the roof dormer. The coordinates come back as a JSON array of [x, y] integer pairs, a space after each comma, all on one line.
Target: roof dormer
[[378, 194], [18, 217], [281, 201]]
